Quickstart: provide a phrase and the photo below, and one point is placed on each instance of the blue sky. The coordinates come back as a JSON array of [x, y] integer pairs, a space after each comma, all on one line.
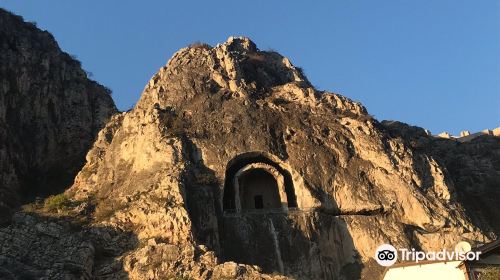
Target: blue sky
[[434, 64]]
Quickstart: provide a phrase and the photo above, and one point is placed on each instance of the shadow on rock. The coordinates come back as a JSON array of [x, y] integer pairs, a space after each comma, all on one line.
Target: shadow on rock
[[300, 244], [34, 246]]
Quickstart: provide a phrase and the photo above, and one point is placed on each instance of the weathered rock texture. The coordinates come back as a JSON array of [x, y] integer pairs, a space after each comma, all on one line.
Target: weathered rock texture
[[158, 194], [50, 113], [472, 166]]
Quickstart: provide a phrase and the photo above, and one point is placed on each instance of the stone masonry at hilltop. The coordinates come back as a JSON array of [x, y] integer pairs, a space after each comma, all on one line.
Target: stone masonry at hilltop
[[467, 136]]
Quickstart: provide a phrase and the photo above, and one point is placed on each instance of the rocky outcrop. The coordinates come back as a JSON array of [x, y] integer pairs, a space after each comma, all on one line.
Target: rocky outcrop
[[55, 252], [166, 187], [50, 113], [472, 166], [164, 173]]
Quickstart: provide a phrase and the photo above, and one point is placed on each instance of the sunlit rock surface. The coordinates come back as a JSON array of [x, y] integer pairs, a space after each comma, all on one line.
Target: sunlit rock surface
[[162, 196]]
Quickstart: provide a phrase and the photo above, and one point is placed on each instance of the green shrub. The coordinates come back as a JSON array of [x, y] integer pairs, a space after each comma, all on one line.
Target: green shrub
[[56, 202]]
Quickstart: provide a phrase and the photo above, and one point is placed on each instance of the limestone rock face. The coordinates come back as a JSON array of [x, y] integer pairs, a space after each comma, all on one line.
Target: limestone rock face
[[50, 113], [173, 189], [53, 253], [165, 171], [473, 167]]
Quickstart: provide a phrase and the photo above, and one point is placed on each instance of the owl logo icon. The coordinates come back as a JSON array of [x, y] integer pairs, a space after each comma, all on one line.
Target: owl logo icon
[[386, 255]]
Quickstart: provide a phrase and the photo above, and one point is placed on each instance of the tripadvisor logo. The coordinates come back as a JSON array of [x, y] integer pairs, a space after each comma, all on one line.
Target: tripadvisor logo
[[387, 255]]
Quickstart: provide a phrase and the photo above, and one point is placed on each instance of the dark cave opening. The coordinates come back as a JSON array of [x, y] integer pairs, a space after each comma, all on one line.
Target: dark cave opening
[[242, 160], [259, 190]]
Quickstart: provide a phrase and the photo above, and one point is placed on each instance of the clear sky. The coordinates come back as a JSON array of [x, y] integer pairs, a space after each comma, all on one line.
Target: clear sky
[[434, 64]]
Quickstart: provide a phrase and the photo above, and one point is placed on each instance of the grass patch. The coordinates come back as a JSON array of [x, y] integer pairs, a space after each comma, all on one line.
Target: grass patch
[[56, 203], [61, 210]]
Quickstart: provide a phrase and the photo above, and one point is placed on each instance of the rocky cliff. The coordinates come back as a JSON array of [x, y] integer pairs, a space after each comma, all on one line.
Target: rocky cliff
[[50, 113], [173, 189], [472, 166]]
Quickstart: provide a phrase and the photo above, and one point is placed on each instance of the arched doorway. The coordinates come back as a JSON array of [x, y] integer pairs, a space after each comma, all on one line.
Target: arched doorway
[[255, 183], [259, 186]]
